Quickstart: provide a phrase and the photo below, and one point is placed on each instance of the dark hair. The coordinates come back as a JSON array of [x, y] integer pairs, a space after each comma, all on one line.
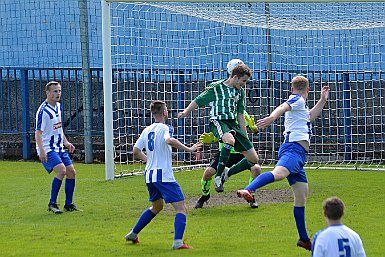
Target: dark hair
[[240, 70], [50, 84], [333, 208], [300, 82], [157, 107]]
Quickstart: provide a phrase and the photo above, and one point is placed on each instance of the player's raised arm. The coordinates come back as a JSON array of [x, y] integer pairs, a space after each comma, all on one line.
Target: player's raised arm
[[192, 106], [316, 110], [265, 122]]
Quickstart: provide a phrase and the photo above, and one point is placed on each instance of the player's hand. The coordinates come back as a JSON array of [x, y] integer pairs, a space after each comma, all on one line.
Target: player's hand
[[250, 120], [196, 147], [265, 122], [182, 114], [71, 147], [207, 138], [43, 156], [324, 93]]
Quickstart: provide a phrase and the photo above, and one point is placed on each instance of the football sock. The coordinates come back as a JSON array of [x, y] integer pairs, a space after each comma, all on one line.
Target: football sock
[[69, 188], [144, 219], [244, 164], [223, 158], [179, 225], [251, 180], [56, 184], [260, 181], [299, 215], [206, 184]]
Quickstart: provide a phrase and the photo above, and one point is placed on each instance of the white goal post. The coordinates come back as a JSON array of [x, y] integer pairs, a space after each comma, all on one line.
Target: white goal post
[[157, 50]]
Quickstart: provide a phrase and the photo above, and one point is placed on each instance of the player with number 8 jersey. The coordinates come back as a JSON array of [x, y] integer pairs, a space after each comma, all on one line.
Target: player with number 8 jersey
[[157, 140]]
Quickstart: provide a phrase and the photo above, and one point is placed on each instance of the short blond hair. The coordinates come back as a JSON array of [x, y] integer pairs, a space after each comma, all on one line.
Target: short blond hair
[[50, 84], [300, 82]]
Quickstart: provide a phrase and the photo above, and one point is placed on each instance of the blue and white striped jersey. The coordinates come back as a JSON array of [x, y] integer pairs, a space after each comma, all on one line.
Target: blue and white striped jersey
[[48, 120], [159, 153], [297, 121]]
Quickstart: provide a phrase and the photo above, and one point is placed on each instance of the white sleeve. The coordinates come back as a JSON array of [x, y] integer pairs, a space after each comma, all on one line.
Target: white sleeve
[[167, 131], [318, 248], [360, 250], [141, 142]]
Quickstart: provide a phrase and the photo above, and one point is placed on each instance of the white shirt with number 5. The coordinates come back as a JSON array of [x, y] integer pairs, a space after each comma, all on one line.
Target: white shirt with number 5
[[337, 240]]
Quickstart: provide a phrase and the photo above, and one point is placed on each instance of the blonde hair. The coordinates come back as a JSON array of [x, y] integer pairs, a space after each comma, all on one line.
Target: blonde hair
[[300, 82], [50, 84]]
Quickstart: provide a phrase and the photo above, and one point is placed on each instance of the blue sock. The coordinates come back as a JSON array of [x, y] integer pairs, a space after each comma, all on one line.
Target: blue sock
[[179, 225], [69, 190], [260, 181], [56, 184], [299, 216], [144, 219]]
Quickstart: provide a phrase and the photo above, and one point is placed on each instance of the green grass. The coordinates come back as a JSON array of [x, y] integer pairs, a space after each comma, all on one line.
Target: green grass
[[111, 208]]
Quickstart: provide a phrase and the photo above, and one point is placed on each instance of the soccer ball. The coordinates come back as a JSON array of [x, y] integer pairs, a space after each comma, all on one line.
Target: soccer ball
[[232, 64]]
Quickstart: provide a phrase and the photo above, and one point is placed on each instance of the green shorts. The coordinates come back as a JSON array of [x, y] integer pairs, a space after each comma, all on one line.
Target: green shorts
[[220, 127]]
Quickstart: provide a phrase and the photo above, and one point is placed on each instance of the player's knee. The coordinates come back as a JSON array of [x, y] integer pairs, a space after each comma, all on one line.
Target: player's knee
[[300, 200], [157, 207], [209, 173], [256, 170], [71, 173], [228, 138]]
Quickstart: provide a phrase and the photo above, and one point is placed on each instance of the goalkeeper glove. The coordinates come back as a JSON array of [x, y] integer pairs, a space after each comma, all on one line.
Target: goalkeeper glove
[[251, 122], [207, 138]]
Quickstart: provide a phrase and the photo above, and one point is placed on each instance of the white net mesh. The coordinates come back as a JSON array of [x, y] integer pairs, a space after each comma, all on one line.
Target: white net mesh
[[171, 51]]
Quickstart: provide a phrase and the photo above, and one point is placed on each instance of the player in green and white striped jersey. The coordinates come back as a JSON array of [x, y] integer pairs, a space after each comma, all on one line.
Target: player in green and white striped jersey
[[227, 101]]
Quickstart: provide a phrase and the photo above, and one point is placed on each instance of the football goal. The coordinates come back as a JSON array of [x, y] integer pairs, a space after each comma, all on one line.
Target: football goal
[[171, 50]]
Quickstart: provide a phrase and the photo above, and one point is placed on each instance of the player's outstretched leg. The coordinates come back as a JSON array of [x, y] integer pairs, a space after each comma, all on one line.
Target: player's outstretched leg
[[143, 220]]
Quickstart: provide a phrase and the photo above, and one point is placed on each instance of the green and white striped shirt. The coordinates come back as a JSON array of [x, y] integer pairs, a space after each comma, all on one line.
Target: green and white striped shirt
[[225, 101]]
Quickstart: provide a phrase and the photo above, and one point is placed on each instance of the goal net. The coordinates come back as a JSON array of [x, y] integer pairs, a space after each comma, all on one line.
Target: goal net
[[171, 50]]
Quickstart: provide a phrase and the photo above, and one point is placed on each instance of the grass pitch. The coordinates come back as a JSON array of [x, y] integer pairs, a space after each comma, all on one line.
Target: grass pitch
[[111, 208]]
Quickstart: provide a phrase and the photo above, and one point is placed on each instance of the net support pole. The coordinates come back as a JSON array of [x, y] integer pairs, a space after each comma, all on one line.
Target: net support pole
[[347, 117], [181, 100], [87, 88], [107, 88], [25, 114]]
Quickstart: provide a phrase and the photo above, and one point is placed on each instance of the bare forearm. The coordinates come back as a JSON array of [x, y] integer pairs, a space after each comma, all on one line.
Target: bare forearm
[[242, 123], [192, 106], [138, 154], [317, 109], [39, 139], [177, 144]]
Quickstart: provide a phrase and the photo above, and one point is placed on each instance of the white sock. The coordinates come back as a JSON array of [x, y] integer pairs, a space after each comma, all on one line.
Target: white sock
[[177, 243], [131, 235]]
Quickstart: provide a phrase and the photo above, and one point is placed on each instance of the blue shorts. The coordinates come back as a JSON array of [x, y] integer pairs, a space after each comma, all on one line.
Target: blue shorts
[[292, 156], [55, 158], [169, 191]]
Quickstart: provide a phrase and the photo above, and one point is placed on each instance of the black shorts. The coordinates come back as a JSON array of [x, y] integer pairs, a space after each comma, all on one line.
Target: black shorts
[[234, 159]]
